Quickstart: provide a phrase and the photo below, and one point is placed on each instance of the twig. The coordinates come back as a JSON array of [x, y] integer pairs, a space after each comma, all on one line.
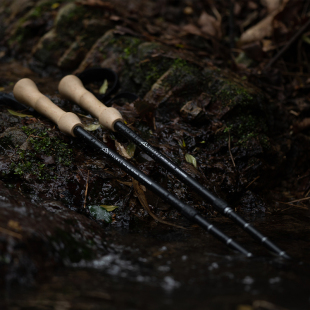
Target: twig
[[11, 233], [288, 44], [253, 181], [307, 193], [230, 150], [307, 198], [287, 203], [86, 189], [231, 24]]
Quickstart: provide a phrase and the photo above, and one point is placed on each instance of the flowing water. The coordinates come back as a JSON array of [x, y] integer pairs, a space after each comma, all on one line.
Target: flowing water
[[165, 268]]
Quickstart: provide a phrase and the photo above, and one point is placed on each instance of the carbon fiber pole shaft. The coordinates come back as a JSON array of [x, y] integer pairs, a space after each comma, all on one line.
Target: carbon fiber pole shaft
[[218, 203], [186, 210]]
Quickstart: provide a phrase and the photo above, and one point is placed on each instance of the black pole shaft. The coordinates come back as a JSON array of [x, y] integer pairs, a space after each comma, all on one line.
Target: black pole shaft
[[186, 210], [218, 203]]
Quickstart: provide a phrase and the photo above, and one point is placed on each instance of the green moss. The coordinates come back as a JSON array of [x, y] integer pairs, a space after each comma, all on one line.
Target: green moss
[[181, 70], [128, 45], [23, 33], [231, 94], [245, 127], [43, 145], [69, 21]]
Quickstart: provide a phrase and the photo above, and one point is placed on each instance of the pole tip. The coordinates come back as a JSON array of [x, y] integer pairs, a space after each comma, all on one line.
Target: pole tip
[[284, 255]]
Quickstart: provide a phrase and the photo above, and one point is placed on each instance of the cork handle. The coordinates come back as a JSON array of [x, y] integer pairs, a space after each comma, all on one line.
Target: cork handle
[[26, 91], [72, 88]]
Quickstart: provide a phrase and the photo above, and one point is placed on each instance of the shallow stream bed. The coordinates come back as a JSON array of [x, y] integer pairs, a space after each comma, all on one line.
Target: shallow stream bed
[[167, 268]]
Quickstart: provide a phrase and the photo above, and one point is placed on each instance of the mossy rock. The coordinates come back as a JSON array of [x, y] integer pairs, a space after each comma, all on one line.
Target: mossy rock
[[50, 48], [35, 22]]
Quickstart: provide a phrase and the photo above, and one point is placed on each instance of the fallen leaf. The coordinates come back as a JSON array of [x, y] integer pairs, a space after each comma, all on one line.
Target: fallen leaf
[[191, 159], [91, 127], [264, 28], [109, 208], [121, 150], [55, 5], [18, 114], [210, 25], [82, 115], [182, 143], [131, 149], [244, 307], [100, 213], [258, 32], [141, 196], [15, 225], [192, 29], [125, 183], [104, 87], [188, 10], [271, 5]]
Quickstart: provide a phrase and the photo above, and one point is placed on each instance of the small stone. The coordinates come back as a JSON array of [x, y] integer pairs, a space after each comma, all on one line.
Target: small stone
[[17, 136]]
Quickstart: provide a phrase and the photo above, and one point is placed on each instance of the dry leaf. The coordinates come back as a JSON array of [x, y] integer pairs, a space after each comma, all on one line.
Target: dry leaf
[[264, 28], [15, 225], [192, 29], [258, 32], [210, 25], [121, 150], [82, 115], [271, 5], [125, 183], [141, 196]]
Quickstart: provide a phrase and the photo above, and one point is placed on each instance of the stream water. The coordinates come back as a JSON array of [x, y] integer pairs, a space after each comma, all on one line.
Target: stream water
[[166, 268]]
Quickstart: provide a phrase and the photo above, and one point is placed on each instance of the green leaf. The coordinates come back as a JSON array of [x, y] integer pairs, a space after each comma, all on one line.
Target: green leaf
[[100, 213], [191, 159], [18, 114], [91, 127], [131, 149], [109, 208], [104, 87]]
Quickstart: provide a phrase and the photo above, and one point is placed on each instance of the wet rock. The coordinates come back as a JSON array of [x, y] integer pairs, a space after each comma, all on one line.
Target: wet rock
[[50, 48], [45, 236], [16, 135], [188, 105]]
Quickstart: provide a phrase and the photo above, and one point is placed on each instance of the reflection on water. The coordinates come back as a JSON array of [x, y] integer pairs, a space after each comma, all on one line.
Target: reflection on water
[[165, 268]]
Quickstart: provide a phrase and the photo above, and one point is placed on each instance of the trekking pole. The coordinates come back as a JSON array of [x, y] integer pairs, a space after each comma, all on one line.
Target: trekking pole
[[27, 92], [71, 87]]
